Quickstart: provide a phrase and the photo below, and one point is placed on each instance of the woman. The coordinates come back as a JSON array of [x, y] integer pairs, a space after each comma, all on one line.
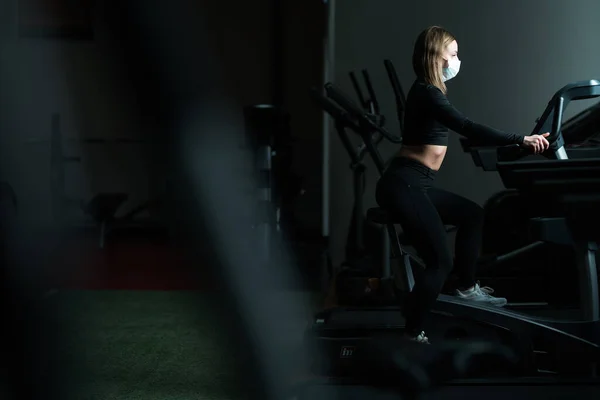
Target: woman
[[406, 190]]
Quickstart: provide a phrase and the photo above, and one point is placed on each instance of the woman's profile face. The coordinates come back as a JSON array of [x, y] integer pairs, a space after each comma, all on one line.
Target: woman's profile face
[[450, 52]]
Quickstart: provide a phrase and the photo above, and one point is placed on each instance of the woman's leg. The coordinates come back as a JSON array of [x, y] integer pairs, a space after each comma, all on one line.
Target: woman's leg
[[468, 217], [409, 204]]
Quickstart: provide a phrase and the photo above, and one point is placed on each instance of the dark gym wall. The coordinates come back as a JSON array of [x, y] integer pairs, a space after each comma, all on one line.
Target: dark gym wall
[[80, 80], [304, 30], [241, 37], [515, 54]]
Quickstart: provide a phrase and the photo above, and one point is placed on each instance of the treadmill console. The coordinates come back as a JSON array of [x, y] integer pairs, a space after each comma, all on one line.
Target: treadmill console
[[487, 157]]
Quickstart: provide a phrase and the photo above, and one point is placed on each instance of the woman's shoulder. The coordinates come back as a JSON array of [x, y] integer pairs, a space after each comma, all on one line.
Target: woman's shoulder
[[426, 88]]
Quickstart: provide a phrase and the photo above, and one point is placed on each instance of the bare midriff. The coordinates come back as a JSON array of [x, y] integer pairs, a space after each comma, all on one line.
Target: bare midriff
[[430, 155]]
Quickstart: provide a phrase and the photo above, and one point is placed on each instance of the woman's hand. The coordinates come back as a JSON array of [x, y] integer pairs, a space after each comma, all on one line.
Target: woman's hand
[[537, 143]]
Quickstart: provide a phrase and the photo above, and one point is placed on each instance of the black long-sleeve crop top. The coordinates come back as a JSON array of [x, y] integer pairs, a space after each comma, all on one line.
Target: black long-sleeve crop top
[[429, 115]]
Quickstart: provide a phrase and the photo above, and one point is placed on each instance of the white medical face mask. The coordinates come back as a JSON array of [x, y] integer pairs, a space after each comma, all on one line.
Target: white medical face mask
[[452, 70]]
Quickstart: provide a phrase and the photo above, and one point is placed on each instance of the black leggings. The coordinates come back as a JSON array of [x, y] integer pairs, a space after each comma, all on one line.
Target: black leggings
[[423, 211]]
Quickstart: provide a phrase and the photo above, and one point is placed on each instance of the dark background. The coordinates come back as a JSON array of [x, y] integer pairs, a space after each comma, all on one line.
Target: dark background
[[263, 59], [134, 311], [515, 56]]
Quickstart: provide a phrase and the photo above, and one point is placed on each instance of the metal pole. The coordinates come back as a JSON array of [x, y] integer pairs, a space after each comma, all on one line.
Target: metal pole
[[328, 74]]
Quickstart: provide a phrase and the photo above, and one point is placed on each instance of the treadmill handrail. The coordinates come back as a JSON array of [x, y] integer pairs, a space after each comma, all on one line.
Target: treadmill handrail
[[580, 90], [551, 119]]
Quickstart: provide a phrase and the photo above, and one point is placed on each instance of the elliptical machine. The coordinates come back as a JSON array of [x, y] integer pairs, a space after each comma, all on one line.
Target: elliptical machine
[[547, 347], [357, 245], [358, 281]]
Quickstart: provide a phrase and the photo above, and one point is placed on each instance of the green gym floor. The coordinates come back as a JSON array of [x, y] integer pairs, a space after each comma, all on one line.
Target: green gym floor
[[150, 345], [136, 325]]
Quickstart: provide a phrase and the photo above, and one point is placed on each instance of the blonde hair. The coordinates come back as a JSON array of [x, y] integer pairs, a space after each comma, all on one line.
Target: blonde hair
[[427, 55]]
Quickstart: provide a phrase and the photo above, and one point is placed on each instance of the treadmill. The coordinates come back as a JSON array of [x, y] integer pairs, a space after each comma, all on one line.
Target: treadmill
[[509, 265], [581, 136], [547, 348]]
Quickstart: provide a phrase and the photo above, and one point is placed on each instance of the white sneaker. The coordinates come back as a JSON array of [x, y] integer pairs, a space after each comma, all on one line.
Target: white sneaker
[[481, 294], [420, 338]]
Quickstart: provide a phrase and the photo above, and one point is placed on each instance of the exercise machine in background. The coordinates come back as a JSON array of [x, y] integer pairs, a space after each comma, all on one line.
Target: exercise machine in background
[[358, 231], [548, 348], [362, 252], [344, 122], [399, 96], [268, 136], [356, 246], [102, 208], [534, 264]]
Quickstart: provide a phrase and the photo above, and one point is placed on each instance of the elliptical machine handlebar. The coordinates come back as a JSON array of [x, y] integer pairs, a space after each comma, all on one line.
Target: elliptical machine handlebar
[[333, 109], [398, 92], [371, 107], [370, 104], [372, 95], [366, 104], [342, 120], [364, 121]]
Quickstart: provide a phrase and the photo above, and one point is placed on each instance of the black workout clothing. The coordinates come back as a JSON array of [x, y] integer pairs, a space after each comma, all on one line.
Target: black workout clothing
[[407, 193], [429, 115]]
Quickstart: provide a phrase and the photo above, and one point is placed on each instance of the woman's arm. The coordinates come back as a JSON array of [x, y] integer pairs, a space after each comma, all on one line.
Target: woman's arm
[[453, 119]]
